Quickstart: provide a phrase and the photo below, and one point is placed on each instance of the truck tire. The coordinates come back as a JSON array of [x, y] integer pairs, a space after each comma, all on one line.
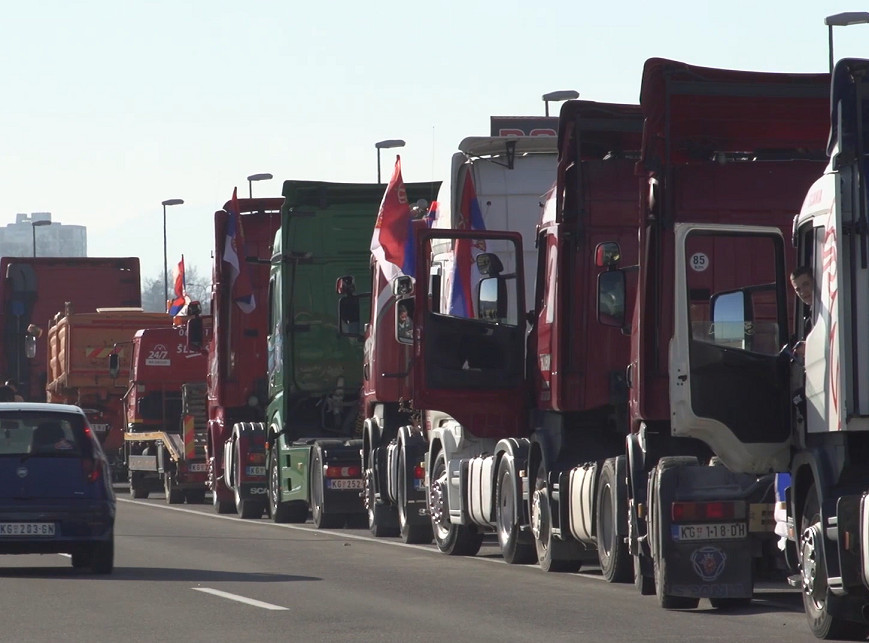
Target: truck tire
[[382, 518], [221, 506], [174, 495], [138, 486], [195, 496], [516, 547], [541, 528], [322, 520], [454, 540], [411, 533], [645, 585], [612, 550], [814, 577]]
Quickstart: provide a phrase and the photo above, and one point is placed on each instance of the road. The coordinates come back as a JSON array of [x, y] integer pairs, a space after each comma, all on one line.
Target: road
[[184, 573]]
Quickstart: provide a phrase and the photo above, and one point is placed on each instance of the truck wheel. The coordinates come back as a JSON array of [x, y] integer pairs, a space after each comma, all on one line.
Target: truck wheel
[[382, 519], [221, 506], [515, 547], [455, 540], [814, 577], [247, 508], [612, 551], [667, 601], [138, 486], [195, 496], [645, 585], [279, 511], [541, 528], [322, 520], [412, 534], [174, 495]]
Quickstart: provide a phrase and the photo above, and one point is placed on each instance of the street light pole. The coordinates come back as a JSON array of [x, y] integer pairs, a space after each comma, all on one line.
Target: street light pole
[[843, 20], [265, 176], [165, 259], [33, 226], [385, 145], [566, 94]]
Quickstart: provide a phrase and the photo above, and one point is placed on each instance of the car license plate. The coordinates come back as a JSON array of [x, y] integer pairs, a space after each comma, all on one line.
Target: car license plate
[[26, 529], [710, 531], [100, 428], [255, 471], [197, 467], [349, 483]]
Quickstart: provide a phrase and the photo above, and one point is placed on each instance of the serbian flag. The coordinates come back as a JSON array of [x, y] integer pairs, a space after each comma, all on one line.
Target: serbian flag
[[409, 266], [233, 253], [391, 237], [465, 273], [180, 299]]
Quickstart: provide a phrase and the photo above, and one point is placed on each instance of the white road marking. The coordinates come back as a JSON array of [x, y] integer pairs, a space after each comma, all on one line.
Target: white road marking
[[240, 599]]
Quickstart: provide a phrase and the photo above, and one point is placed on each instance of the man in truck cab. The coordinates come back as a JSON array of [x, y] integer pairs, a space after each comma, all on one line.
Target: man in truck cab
[[804, 286]]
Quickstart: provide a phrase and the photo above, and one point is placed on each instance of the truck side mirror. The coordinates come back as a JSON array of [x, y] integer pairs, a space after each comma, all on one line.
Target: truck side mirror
[[607, 254], [114, 364], [29, 346], [345, 285], [402, 286], [492, 299], [194, 334], [404, 320], [611, 298], [728, 314], [348, 316]]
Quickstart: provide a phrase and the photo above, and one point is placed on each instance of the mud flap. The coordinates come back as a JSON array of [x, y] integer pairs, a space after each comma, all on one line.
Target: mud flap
[[342, 495], [705, 567]]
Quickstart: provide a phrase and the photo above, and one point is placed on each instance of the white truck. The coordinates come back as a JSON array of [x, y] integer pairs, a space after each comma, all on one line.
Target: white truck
[[827, 449]]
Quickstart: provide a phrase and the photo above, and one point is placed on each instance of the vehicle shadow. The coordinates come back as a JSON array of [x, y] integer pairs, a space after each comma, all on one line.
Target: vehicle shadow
[[154, 574]]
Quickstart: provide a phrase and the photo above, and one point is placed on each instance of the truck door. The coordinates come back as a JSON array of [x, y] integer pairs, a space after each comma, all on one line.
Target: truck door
[[729, 384], [469, 340]]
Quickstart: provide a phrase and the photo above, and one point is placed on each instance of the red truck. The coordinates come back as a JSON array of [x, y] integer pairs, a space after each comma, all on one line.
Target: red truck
[[79, 347], [32, 291], [237, 356], [726, 157], [165, 413]]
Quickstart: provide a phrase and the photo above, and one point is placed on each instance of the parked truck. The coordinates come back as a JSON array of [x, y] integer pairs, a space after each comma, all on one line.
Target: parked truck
[[509, 176], [315, 373], [32, 291], [824, 393], [237, 364], [723, 153], [78, 348], [165, 413]]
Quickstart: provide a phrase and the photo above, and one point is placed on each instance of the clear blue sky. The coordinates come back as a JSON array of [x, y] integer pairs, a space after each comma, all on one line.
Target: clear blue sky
[[111, 107]]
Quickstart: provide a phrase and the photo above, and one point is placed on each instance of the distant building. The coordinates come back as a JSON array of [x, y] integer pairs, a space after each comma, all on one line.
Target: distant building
[[36, 234]]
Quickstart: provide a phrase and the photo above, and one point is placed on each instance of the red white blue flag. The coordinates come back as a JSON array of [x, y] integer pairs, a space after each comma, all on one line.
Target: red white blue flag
[[465, 273], [180, 290], [391, 236], [233, 253]]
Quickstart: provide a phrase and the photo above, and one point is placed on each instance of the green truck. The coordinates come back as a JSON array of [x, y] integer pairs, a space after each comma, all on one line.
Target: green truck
[[312, 426]]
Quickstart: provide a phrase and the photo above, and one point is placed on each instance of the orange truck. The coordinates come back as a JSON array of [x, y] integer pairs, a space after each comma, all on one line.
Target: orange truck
[[165, 414], [78, 349]]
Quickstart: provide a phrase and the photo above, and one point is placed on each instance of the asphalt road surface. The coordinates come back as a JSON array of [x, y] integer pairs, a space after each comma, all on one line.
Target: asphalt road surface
[[184, 573]]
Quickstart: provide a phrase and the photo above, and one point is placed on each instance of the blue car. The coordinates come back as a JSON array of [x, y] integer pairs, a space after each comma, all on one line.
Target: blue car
[[55, 486]]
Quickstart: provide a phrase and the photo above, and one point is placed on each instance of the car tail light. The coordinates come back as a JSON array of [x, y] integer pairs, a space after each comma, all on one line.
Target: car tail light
[[342, 472], [91, 469], [719, 510]]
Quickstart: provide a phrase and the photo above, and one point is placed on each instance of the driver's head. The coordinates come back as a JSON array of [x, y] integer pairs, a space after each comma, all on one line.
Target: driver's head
[[804, 286]]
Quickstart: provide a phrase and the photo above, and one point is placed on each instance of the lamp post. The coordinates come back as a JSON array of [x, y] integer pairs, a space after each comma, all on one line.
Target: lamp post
[[165, 260], [385, 145], [34, 225], [565, 94], [843, 20], [265, 176]]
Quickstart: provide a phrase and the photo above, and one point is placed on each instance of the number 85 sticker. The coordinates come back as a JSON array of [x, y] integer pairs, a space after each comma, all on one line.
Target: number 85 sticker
[[699, 262]]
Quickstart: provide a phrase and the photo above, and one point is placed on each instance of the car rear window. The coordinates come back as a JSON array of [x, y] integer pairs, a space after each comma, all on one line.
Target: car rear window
[[43, 434]]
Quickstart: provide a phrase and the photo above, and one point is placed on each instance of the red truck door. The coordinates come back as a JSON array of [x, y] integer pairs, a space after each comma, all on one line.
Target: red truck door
[[729, 385], [470, 325]]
